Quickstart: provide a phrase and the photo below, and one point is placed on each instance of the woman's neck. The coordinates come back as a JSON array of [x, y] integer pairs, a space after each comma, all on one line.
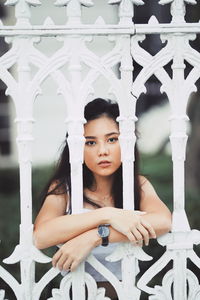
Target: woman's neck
[[101, 192], [103, 185]]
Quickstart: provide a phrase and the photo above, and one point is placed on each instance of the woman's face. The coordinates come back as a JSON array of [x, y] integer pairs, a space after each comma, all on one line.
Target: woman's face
[[102, 150]]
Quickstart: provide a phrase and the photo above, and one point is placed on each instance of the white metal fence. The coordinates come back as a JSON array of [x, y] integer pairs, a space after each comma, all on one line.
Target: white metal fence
[[76, 90]]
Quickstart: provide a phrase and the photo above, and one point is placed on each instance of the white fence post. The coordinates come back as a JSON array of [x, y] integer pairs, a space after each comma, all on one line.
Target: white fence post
[[76, 90]]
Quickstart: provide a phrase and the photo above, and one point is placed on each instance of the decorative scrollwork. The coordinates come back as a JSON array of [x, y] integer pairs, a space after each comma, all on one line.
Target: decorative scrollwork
[[2, 295], [11, 281], [136, 2], [163, 2], [64, 291], [73, 55], [31, 2], [126, 9], [178, 9], [87, 3], [163, 292]]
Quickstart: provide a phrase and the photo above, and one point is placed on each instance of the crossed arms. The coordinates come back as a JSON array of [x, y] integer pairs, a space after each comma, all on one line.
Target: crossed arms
[[78, 233]]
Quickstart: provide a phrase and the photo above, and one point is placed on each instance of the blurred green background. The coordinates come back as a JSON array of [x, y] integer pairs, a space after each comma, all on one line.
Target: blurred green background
[[157, 168]]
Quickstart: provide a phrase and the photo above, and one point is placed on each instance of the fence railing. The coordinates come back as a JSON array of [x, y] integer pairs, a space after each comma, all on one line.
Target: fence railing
[[179, 283]]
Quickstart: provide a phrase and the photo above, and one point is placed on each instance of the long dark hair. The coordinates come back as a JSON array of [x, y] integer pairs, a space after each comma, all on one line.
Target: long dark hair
[[61, 177]]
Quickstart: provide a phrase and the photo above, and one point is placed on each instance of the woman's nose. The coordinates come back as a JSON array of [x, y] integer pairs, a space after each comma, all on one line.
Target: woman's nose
[[103, 149]]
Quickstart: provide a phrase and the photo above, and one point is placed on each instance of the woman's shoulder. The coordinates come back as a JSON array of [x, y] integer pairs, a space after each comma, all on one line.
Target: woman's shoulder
[[142, 180], [57, 194], [58, 187]]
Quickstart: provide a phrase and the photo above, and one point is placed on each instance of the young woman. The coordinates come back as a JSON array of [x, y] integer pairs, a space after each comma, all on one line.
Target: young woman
[[79, 234]]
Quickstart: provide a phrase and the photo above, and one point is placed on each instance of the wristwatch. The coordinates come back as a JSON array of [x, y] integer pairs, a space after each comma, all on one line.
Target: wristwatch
[[103, 232]]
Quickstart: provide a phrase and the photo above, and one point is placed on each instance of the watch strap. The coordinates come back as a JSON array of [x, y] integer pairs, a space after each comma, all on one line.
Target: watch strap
[[105, 241]]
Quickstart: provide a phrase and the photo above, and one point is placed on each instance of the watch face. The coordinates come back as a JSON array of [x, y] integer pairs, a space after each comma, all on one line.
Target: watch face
[[103, 231]]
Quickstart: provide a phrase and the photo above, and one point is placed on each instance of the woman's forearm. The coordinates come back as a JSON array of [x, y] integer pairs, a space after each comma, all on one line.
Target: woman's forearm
[[161, 222], [63, 228], [114, 237]]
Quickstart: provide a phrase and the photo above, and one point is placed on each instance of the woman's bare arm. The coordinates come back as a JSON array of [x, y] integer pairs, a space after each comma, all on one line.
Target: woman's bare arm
[[157, 213], [53, 227]]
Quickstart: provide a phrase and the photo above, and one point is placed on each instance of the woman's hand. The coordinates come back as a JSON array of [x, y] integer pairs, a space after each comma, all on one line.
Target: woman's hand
[[131, 224], [73, 252]]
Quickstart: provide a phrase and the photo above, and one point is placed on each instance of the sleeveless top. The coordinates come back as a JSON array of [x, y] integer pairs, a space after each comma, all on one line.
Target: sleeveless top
[[101, 252]]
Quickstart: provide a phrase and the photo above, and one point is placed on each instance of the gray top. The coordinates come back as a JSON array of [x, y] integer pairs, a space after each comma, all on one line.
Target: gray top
[[101, 253]]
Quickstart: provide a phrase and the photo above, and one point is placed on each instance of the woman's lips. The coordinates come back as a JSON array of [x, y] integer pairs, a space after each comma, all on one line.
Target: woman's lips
[[104, 163]]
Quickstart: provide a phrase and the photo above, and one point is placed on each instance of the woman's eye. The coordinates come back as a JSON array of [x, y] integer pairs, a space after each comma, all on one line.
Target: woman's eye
[[112, 140], [90, 143]]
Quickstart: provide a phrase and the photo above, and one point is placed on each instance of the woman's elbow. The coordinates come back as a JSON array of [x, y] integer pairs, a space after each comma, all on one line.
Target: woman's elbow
[[166, 223], [38, 240]]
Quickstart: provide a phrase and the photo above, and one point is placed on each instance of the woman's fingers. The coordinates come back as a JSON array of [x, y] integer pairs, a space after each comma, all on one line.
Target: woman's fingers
[[55, 258], [150, 229], [74, 265], [59, 260], [141, 232], [134, 226], [144, 233], [67, 264], [131, 237], [137, 234]]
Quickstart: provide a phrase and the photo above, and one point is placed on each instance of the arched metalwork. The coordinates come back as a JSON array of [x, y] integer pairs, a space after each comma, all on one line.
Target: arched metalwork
[[76, 90]]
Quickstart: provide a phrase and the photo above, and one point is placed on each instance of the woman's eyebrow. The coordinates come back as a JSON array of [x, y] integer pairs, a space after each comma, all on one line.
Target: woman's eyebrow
[[111, 133], [90, 137], [107, 135]]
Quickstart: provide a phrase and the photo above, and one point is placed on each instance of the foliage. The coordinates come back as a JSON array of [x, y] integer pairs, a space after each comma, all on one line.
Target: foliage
[[158, 169]]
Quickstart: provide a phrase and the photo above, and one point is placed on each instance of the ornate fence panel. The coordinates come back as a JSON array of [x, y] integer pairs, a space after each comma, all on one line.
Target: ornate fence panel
[[179, 283]]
